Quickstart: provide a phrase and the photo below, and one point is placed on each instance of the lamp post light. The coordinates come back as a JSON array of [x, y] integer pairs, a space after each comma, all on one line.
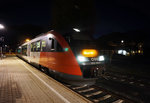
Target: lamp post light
[[122, 41], [1, 40], [27, 40], [2, 26], [76, 29]]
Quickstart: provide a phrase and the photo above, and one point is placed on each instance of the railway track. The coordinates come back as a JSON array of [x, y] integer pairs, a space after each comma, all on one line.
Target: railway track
[[134, 88], [101, 93], [128, 79], [98, 94]]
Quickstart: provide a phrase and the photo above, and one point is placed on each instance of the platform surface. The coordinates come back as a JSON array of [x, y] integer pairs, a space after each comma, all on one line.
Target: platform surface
[[22, 83]]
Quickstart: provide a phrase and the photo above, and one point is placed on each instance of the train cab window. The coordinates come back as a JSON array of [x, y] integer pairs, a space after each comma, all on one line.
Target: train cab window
[[43, 46], [53, 45], [38, 45], [59, 48]]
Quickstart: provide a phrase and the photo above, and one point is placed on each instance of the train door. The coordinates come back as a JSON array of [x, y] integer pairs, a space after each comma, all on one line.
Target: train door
[[35, 52], [24, 52], [28, 52], [44, 52]]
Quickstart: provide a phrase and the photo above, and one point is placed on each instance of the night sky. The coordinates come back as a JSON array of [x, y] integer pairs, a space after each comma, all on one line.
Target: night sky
[[122, 16], [110, 16], [24, 12]]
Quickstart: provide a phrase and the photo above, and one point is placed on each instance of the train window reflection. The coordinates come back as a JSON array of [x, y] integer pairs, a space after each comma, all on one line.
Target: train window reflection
[[38, 46], [33, 47], [43, 46]]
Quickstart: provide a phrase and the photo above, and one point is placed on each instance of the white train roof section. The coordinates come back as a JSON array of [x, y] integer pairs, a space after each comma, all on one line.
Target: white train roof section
[[41, 36]]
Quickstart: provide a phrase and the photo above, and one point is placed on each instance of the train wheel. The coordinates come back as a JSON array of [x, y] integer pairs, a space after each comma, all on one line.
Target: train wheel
[[45, 70]]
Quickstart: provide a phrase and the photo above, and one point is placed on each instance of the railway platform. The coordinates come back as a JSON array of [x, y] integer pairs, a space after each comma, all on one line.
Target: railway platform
[[22, 83]]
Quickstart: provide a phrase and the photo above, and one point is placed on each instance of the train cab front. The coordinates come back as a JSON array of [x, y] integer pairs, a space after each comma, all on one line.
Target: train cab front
[[90, 60], [91, 64]]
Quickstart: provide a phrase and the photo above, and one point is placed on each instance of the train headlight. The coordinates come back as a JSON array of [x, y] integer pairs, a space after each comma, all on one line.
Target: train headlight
[[82, 58], [101, 58]]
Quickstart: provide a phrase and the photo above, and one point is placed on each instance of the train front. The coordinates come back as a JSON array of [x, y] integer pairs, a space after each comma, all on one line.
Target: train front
[[90, 60], [91, 63]]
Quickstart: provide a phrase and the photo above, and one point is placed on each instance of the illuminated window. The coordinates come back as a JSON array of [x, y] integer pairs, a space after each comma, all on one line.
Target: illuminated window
[[33, 47], [38, 46], [43, 46]]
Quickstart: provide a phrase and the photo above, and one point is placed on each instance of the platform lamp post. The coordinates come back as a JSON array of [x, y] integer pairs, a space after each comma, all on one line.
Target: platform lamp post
[[1, 40]]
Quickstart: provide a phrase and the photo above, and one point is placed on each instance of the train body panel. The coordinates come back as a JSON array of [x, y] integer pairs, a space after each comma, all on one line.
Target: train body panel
[[64, 62], [34, 57], [61, 62]]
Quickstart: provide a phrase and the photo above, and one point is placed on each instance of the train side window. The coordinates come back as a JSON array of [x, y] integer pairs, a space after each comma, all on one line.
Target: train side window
[[38, 45], [33, 47], [43, 46]]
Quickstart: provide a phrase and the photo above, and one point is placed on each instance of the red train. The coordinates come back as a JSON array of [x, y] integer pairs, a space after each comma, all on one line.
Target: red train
[[70, 58]]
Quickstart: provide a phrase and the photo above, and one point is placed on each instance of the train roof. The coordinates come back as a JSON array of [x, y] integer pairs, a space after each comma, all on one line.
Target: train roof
[[42, 35], [71, 35]]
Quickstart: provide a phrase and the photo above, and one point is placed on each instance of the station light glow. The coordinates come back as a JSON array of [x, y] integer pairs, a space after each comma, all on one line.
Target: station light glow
[[2, 26], [122, 52], [139, 51], [122, 41], [89, 52], [27, 40]]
